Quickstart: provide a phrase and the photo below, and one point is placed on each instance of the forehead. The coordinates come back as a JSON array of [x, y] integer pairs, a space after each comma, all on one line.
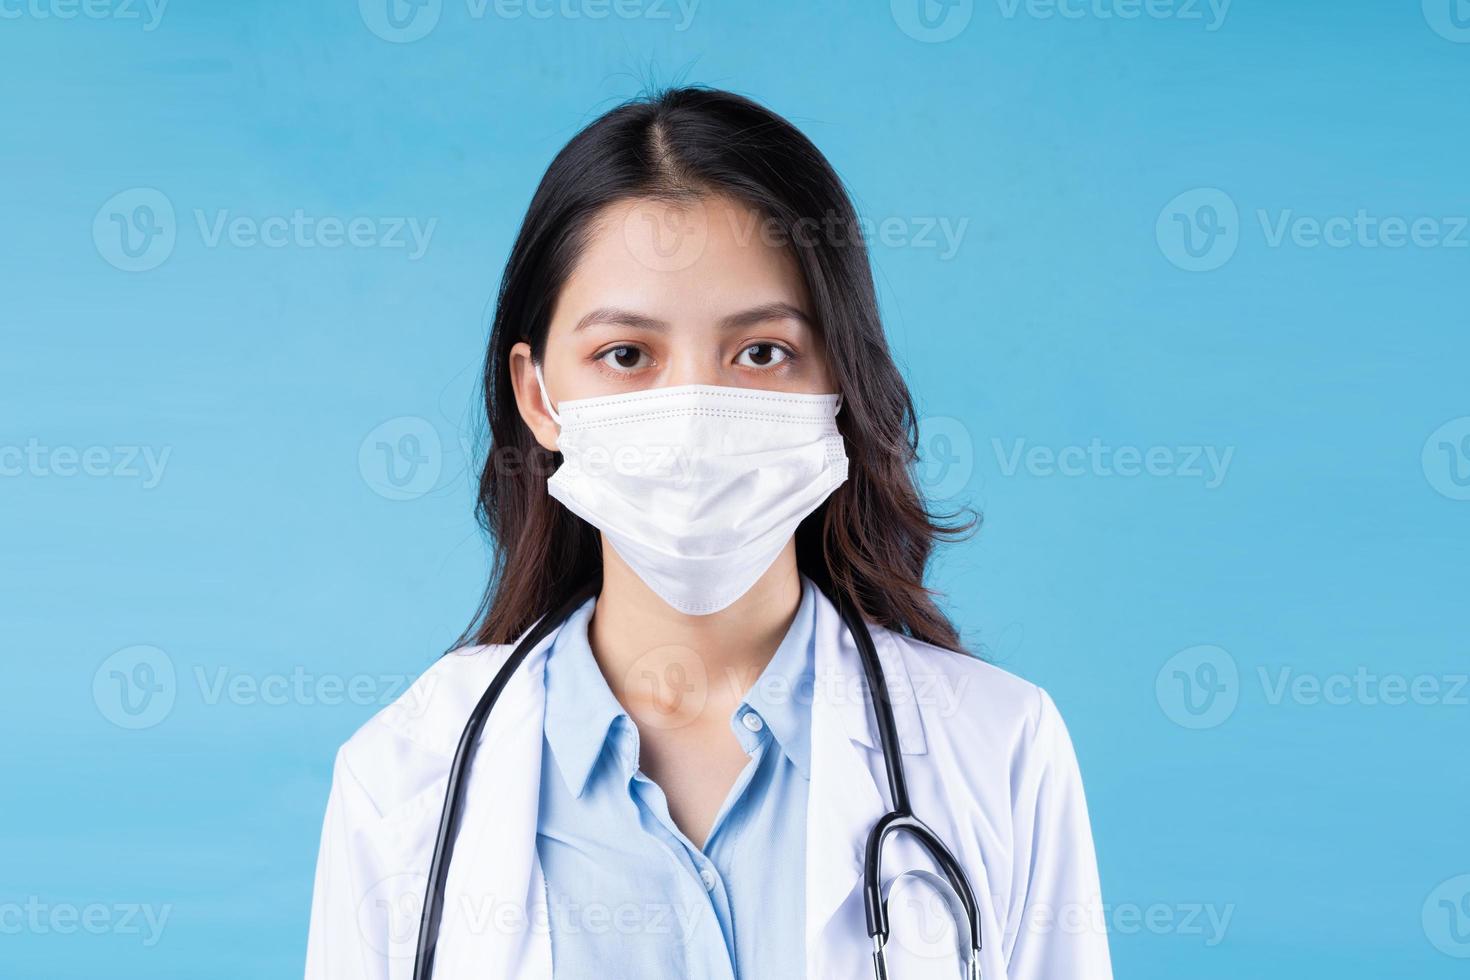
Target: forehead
[[680, 257]]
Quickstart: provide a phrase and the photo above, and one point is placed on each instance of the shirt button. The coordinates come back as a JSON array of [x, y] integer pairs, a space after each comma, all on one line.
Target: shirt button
[[752, 721], [708, 878]]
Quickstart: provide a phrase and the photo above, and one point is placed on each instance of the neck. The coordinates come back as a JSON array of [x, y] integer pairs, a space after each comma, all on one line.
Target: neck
[[650, 652]]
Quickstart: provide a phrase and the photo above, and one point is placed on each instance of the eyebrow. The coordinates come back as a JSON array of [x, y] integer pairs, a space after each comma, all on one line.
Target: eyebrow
[[744, 318]]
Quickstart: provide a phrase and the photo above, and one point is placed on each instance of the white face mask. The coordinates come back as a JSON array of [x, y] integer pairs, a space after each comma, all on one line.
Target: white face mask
[[698, 488]]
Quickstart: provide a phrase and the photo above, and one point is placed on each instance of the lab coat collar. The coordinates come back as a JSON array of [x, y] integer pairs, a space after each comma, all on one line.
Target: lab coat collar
[[840, 681], [494, 921]]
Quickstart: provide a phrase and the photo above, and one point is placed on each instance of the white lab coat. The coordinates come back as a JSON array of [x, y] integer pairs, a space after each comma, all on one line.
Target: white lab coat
[[990, 769]]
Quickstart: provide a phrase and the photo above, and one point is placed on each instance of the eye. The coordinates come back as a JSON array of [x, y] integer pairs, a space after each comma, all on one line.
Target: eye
[[762, 356], [624, 357]]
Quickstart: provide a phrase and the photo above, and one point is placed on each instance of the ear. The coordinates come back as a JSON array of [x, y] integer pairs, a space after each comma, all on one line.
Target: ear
[[528, 397]]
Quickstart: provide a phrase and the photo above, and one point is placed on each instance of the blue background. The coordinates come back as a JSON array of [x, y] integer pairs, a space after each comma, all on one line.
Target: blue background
[[271, 545]]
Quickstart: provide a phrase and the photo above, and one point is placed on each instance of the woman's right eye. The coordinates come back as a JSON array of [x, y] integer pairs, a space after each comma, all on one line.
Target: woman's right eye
[[623, 358]]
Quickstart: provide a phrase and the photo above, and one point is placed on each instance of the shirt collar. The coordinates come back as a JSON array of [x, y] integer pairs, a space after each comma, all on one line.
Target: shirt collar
[[580, 707], [782, 695]]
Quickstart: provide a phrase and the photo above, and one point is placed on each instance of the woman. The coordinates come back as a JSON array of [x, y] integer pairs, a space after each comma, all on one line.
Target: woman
[[701, 447]]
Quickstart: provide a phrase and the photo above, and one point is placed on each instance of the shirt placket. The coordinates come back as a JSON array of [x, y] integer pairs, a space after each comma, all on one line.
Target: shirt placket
[[704, 914]]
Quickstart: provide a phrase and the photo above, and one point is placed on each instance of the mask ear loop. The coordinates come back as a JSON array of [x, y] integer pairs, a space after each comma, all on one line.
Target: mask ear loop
[[545, 401]]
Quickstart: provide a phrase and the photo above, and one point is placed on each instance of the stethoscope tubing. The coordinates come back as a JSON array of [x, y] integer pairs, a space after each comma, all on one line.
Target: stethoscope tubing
[[899, 820]]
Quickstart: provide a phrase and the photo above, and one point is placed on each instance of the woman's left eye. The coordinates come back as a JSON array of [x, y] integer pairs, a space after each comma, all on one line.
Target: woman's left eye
[[762, 356]]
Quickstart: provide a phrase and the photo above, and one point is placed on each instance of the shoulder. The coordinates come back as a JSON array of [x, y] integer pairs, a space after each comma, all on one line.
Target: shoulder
[[408, 746], [965, 701]]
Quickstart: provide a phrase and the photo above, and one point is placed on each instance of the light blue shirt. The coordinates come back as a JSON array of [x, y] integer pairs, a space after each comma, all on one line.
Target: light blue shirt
[[628, 895]]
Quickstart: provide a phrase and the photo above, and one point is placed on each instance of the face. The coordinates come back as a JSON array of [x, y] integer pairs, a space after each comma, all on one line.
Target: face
[[675, 294]]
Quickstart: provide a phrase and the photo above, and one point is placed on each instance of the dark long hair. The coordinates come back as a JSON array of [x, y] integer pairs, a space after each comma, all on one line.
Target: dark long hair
[[873, 537]]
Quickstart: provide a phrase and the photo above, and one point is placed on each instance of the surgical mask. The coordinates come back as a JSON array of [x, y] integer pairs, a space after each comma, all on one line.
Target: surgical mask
[[697, 488]]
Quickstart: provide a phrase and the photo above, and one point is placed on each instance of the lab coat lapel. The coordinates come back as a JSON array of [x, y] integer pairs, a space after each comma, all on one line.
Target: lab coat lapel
[[494, 922], [845, 798], [844, 802]]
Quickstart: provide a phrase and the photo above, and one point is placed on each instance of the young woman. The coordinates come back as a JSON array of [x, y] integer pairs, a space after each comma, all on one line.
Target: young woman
[[713, 662]]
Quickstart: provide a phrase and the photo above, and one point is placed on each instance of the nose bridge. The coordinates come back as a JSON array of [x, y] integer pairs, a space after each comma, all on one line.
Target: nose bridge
[[695, 358]]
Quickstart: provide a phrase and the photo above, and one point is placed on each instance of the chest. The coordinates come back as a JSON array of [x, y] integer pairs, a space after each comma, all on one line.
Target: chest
[[730, 905], [696, 767]]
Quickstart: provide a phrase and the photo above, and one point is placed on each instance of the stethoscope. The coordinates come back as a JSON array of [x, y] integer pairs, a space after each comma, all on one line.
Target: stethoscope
[[899, 820]]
